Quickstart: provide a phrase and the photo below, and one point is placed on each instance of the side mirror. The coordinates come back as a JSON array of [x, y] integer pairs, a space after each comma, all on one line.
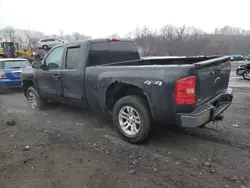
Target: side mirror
[[38, 57], [37, 64]]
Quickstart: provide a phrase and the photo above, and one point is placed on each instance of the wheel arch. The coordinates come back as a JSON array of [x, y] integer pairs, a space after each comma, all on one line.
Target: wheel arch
[[26, 84], [117, 90]]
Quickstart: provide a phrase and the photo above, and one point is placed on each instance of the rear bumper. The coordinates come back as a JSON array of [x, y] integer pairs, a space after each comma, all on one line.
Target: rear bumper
[[6, 83], [209, 111]]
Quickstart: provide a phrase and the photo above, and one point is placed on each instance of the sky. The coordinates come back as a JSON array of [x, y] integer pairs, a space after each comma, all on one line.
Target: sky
[[100, 18]]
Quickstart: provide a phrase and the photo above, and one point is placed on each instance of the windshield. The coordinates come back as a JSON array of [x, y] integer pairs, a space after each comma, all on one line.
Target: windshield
[[15, 64], [9, 46]]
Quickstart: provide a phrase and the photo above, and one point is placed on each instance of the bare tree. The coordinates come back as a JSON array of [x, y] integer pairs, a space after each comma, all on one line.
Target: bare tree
[[76, 36], [19, 38], [68, 37], [8, 34], [61, 33], [115, 35], [32, 37], [180, 31], [1, 35], [167, 32], [169, 40], [129, 35]]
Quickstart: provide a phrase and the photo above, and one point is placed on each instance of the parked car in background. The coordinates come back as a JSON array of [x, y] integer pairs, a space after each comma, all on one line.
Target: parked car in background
[[237, 57], [244, 70], [109, 75], [48, 43], [10, 70], [247, 58]]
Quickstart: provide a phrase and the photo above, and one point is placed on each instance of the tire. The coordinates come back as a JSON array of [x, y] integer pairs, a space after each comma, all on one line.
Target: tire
[[142, 112], [246, 75], [38, 102], [45, 47]]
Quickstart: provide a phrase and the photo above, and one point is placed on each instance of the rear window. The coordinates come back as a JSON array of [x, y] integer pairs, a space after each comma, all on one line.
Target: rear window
[[15, 64], [109, 52], [123, 51]]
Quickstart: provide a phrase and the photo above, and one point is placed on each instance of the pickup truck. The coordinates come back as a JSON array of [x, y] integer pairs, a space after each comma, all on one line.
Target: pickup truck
[[109, 75]]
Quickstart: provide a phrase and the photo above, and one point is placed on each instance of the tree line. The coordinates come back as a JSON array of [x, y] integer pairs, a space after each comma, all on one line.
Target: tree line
[[168, 40], [29, 39]]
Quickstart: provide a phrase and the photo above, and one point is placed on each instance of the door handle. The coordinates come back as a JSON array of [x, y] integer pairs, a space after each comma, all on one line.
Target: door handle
[[56, 76]]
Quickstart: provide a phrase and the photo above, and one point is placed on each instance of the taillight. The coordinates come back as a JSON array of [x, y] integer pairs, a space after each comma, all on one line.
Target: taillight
[[185, 91], [2, 75], [113, 39]]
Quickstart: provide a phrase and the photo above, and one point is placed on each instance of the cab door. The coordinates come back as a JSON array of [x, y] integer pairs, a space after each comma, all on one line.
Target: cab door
[[49, 77]]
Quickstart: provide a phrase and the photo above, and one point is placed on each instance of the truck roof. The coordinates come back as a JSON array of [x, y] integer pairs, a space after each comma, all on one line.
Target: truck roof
[[100, 40]]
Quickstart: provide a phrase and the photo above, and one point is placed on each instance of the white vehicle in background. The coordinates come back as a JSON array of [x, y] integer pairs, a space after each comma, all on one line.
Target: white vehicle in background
[[48, 43]]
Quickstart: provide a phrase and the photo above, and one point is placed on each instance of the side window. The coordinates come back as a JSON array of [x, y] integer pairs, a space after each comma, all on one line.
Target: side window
[[72, 59], [99, 54], [54, 59]]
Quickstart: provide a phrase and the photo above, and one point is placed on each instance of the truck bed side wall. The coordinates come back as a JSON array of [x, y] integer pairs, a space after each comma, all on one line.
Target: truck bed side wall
[[157, 82]]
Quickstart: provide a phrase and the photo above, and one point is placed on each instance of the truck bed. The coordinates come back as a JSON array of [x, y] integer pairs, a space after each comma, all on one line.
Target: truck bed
[[212, 72], [167, 60]]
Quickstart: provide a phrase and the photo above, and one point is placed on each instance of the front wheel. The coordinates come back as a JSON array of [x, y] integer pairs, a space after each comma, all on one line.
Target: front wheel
[[246, 75], [132, 118], [35, 101]]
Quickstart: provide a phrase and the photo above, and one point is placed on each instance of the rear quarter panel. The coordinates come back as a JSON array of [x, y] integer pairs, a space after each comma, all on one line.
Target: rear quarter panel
[[156, 81]]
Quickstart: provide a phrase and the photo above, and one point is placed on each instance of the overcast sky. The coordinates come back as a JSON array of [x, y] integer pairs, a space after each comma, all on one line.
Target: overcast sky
[[99, 18]]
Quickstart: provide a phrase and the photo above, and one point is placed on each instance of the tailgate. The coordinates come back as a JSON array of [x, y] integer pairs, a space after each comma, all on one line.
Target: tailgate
[[212, 78]]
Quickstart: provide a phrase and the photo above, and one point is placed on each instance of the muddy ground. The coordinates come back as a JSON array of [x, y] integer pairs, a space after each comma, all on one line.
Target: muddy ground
[[72, 148]]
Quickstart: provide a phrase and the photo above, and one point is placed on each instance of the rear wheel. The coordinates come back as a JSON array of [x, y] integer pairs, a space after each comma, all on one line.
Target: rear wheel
[[132, 118], [246, 75], [35, 101], [45, 47]]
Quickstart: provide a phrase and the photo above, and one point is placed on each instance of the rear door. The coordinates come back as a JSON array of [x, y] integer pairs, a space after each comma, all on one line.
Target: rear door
[[212, 78], [73, 72]]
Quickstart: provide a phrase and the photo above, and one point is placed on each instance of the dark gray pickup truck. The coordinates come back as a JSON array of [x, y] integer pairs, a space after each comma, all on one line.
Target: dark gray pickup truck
[[109, 75]]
